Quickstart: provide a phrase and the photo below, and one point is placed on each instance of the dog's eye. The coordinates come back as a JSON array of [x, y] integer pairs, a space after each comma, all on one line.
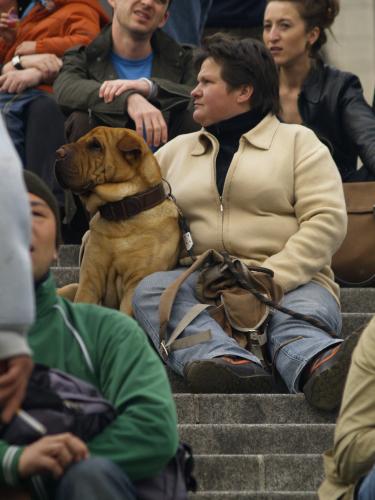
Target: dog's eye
[[94, 145]]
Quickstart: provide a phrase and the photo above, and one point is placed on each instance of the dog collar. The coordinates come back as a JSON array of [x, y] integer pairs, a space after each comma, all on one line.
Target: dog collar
[[133, 205]]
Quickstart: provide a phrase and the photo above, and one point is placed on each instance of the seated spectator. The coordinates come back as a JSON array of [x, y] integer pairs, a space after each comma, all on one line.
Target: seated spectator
[[31, 48], [16, 316], [269, 194], [132, 75], [239, 18], [187, 20], [114, 355], [349, 466], [327, 100]]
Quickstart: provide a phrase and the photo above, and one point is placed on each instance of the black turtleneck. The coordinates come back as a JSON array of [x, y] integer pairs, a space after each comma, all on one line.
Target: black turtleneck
[[228, 133]]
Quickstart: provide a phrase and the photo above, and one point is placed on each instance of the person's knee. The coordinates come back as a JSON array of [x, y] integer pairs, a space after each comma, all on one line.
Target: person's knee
[[147, 287], [90, 471]]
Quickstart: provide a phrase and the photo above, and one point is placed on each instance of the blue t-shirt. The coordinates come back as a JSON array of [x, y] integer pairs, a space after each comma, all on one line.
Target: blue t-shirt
[[132, 69]]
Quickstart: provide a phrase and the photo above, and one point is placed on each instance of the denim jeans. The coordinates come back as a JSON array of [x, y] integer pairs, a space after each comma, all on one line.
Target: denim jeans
[[366, 490], [14, 110], [95, 479], [311, 299]]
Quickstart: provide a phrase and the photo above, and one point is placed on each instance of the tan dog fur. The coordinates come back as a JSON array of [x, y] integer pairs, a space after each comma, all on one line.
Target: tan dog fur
[[106, 165]]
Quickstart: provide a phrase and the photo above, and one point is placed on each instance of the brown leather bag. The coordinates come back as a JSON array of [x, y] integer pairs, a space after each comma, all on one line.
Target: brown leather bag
[[354, 262]]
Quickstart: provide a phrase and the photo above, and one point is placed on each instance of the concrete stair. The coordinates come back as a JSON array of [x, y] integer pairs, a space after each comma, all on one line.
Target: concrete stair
[[264, 447]]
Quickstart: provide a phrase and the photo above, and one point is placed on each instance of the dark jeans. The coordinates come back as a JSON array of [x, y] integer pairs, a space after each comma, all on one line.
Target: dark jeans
[[36, 126], [95, 479]]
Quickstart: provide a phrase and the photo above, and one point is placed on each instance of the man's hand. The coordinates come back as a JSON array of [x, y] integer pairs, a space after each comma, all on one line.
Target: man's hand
[[16, 82], [48, 64], [113, 88], [148, 120], [8, 24], [14, 376], [26, 48], [51, 454]]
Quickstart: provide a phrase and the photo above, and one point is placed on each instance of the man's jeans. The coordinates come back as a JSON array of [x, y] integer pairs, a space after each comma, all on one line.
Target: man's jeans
[[302, 340], [366, 490], [14, 108], [95, 479]]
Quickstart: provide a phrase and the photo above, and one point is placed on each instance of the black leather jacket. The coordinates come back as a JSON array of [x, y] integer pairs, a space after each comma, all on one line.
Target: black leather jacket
[[331, 103]]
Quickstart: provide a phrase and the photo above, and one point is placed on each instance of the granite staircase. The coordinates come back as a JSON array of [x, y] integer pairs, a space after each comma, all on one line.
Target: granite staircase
[[264, 447]]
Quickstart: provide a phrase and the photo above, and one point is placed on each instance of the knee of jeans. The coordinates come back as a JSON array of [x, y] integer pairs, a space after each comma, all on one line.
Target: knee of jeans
[[147, 287], [91, 469]]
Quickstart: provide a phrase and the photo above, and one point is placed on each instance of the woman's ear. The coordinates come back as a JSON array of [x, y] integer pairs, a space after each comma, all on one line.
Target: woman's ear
[[245, 93], [313, 35]]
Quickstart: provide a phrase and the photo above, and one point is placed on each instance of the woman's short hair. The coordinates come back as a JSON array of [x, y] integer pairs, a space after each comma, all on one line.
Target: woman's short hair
[[243, 62], [316, 13]]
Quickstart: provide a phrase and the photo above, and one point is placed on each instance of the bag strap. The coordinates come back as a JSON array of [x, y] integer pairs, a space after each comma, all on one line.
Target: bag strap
[[165, 308], [274, 305]]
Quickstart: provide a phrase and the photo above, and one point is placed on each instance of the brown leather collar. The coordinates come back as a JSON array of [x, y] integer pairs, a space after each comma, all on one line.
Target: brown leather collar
[[133, 205]]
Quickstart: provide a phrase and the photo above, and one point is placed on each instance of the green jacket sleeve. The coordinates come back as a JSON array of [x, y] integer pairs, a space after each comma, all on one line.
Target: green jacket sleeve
[[9, 458], [143, 438]]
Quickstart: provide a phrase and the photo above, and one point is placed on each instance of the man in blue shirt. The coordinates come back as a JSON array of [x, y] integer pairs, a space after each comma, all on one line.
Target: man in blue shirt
[[133, 75]]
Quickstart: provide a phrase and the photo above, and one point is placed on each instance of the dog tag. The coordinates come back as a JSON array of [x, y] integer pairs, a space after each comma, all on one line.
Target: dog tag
[[188, 241]]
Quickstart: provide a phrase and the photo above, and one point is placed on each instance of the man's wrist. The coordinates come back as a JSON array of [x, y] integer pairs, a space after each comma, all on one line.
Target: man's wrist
[[16, 62], [153, 88]]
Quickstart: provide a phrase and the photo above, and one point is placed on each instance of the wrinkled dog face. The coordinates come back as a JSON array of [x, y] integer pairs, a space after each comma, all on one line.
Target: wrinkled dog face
[[104, 155]]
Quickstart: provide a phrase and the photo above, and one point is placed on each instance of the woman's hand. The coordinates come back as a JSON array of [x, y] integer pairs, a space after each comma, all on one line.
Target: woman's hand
[[26, 48]]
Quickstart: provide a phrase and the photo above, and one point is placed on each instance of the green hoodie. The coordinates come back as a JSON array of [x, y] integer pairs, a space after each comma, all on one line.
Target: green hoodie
[[126, 370]]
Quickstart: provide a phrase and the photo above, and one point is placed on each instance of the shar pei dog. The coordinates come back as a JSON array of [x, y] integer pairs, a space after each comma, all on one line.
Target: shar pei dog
[[134, 228]]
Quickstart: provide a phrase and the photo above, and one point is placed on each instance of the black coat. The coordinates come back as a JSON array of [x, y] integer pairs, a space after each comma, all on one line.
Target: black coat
[[331, 103]]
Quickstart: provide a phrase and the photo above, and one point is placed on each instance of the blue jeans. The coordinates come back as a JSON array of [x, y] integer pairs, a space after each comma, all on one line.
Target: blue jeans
[[311, 299], [14, 110], [95, 479], [366, 490]]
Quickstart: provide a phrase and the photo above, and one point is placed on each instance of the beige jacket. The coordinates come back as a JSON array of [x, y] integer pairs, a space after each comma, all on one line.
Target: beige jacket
[[282, 205], [353, 454]]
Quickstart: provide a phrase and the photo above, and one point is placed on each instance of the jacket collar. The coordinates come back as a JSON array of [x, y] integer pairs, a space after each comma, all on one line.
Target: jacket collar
[[312, 87], [45, 296], [260, 136]]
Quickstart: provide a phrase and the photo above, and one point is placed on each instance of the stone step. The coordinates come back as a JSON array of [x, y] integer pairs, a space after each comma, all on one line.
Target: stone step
[[254, 495], [259, 472], [248, 409], [245, 439]]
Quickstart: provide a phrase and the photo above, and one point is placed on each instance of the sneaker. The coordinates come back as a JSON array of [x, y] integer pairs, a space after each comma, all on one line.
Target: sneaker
[[324, 383], [227, 375]]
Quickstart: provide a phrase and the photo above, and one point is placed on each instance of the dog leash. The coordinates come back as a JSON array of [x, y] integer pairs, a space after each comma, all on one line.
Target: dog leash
[[183, 223]]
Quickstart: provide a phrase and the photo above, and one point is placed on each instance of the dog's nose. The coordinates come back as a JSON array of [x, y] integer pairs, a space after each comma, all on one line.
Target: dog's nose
[[60, 154]]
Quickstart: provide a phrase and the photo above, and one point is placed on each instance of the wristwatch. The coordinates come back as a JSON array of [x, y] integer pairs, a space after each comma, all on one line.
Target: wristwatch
[[16, 61]]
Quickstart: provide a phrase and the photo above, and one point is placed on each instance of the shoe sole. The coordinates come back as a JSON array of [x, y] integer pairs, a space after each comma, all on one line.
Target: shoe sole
[[205, 377], [324, 391]]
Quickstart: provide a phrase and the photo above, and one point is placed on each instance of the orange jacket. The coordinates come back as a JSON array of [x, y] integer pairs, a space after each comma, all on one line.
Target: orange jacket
[[70, 23]]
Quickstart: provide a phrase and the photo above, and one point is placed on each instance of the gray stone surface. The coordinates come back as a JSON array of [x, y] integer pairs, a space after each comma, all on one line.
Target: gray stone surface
[[248, 409], [254, 495], [257, 439], [259, 472]]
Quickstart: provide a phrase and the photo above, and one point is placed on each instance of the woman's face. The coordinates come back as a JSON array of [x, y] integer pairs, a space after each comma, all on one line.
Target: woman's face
[[285, 35]]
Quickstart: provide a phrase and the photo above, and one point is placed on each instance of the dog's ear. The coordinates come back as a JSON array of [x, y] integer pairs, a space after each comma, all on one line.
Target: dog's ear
[[132, 149]]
